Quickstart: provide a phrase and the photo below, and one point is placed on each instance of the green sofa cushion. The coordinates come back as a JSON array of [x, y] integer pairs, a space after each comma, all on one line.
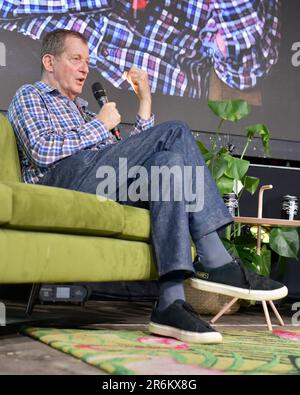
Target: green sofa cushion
[[43, 208], [136, 224], [40, 257], [5, 204], [9, 158]]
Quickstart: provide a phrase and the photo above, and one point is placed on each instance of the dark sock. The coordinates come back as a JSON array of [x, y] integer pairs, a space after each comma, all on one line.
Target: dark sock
[[211, 251], [171, 289]]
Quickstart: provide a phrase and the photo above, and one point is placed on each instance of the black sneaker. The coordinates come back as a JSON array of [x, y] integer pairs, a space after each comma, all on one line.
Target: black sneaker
[[233, 279], [179, 320]]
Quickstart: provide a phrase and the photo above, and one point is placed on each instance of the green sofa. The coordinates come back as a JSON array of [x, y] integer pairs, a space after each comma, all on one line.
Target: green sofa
[[54, 235]]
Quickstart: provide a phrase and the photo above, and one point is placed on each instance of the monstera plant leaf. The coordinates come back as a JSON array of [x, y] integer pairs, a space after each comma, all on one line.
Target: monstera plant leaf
[[218, 166], [263, 132], [250, 183], [285, 241], [237, 168], [225, 185], [230, 110]]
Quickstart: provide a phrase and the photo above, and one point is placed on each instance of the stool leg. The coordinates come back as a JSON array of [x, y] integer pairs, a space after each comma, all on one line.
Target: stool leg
[[278, 316], [223, 310], [265, 307]]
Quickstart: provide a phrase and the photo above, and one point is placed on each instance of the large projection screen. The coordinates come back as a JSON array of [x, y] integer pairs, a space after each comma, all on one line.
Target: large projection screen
[[192, 50]]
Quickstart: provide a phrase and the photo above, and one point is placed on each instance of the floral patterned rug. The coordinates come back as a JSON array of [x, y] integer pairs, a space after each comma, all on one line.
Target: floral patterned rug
[[136, 352]]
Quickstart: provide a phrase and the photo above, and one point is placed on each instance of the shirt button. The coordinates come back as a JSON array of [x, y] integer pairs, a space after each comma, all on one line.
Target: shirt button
[[104, 51]]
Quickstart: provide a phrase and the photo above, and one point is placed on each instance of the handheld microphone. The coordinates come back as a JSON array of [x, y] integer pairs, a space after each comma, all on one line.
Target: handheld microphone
[[100, 96]]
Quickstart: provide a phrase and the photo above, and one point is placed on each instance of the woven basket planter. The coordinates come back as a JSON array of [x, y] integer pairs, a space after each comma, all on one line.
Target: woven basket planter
[[208, 302]]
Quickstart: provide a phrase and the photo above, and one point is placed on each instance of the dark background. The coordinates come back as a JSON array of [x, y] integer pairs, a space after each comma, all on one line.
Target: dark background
[[280, 89]]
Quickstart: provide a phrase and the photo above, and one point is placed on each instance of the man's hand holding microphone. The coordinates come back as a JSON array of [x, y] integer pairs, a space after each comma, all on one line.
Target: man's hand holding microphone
[[109, 115]]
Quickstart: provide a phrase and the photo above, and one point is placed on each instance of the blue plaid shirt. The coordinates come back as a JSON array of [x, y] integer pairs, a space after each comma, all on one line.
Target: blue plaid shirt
[[50, 127], [175, 41]]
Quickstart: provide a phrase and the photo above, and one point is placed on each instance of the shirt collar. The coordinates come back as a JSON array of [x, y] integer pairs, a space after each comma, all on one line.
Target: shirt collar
[[42, 86], [81, 102]]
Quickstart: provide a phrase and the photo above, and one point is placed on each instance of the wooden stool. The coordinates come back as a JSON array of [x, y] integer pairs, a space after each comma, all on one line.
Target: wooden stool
[[259, 221], [265, 307]]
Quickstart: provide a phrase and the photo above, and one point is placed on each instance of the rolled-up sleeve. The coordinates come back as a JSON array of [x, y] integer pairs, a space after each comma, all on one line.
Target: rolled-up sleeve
[[142, 124]]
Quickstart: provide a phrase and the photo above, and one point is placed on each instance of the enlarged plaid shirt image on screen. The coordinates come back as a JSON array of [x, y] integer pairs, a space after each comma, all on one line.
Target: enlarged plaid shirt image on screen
[[176, 42]]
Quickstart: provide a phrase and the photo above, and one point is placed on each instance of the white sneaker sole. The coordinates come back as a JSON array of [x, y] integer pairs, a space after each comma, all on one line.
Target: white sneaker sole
[[240, 293], [185, 336]]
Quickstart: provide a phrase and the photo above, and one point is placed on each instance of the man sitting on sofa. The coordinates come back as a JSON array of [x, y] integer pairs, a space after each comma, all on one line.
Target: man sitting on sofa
[[63, 144]]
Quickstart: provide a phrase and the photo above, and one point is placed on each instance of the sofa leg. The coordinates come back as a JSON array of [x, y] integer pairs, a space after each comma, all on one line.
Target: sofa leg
[[32, 297]]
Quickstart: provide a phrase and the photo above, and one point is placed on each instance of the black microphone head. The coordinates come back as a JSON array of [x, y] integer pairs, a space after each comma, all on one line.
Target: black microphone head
[[98, 90]]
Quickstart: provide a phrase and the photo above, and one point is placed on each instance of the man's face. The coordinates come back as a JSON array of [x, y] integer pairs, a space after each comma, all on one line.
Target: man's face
[[70, 69]]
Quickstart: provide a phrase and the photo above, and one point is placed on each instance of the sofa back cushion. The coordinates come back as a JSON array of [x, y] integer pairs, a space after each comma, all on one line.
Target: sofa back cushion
[[9, 159], [40, 208], [49, 209]]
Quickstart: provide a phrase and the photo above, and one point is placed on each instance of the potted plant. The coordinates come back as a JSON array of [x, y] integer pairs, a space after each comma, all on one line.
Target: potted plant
[[230, 174]]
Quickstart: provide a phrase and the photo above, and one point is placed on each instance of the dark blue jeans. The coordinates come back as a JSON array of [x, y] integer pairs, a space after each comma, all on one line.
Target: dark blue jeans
[[168, 144]]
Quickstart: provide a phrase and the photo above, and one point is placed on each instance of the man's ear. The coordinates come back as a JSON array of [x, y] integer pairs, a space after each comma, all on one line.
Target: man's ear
[[47, 61]]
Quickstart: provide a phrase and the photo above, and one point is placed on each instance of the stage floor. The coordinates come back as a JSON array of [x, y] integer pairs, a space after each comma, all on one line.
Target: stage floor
[[20, 354]]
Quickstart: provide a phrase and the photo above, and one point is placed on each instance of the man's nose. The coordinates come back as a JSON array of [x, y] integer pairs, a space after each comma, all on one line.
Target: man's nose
[[84, 68]]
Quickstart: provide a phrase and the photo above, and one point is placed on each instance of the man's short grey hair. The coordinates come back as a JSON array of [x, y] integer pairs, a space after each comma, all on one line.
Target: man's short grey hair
[[53, 42]]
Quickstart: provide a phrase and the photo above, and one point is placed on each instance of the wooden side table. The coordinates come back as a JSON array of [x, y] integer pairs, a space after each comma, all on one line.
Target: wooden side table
[[259, 221]]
